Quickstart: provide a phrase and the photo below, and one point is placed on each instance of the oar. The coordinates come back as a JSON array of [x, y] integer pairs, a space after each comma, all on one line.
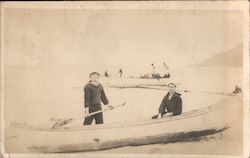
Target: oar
[[62, 122], [99, 111]]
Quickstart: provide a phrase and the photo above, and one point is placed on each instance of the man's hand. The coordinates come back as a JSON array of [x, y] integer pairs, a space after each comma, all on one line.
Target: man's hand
[[86, 111], [164, 113], [110, 107]]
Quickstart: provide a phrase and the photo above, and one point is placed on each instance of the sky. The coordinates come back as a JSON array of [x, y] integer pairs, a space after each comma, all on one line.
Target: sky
[[89, 38]]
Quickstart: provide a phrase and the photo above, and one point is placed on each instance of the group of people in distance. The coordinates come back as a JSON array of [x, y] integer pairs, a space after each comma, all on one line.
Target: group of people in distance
[[106, 74], [94, 95], [155, 76]]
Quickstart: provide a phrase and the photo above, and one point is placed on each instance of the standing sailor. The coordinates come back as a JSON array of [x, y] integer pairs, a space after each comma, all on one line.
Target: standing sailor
[[93, 96]]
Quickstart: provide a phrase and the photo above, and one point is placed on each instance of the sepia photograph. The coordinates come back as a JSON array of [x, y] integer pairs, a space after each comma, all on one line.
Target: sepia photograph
[[125, 79]]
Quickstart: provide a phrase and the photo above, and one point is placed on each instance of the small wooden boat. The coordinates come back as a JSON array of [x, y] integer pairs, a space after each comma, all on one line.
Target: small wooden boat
[[77, 138]]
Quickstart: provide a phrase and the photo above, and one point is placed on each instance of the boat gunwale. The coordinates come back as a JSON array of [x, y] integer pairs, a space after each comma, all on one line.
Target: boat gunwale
[[190, 114]]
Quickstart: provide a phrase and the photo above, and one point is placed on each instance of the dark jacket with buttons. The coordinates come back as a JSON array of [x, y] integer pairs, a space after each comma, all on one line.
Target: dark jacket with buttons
[[174, 105], [93, 96]]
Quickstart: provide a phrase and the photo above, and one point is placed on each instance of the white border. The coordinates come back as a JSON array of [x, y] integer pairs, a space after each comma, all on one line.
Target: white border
[[175, 5], [246, 81], [214, 5], [2, 84], [75, 155]]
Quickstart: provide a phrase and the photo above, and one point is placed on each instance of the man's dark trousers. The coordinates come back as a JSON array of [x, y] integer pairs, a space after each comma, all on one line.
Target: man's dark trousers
[[98, 119]]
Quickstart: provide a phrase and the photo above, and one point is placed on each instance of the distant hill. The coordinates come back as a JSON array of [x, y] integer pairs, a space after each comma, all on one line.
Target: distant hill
[[231, 58]]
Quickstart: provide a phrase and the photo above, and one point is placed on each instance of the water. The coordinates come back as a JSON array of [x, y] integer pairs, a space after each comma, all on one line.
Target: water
[[37, 94], [34, 95]]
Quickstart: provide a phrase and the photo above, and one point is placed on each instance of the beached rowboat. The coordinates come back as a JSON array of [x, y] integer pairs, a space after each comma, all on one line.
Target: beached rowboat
[[78, 138]]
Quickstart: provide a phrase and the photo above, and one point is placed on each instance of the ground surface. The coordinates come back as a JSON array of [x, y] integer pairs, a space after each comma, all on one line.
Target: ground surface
[[40, 97]]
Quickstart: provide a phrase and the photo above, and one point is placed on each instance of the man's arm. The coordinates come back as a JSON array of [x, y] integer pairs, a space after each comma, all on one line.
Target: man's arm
[[178, 109], [103, 97], [162, 107], [87, 97]]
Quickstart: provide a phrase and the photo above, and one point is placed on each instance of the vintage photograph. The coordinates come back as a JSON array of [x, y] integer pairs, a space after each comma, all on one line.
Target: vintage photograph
[[124, 78]]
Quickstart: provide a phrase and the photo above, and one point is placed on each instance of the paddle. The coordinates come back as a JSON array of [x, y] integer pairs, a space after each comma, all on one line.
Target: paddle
[[62, 122], [155, 116]]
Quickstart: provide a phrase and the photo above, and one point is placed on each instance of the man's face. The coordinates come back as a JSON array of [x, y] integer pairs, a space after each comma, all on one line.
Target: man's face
[[171, 88], [94, 77]]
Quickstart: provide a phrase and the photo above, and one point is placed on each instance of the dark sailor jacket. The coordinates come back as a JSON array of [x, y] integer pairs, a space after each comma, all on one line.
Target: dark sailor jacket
[[173, 105], [93, 96]]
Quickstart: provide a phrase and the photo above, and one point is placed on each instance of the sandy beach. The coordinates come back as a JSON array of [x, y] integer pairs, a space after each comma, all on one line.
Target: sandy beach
[[48, 101]]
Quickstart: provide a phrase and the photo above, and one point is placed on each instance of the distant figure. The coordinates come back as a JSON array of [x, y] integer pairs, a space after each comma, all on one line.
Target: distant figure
[[93, 96], [153, 68], [172, 102], [106, 74], [120, 72], [237, 90]]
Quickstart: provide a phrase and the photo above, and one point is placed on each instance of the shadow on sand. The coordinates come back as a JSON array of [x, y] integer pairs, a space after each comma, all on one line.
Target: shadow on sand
[[97, 145]]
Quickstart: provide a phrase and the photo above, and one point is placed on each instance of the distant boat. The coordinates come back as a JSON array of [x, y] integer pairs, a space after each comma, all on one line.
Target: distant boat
[[157, 75], [153, 75], [78, 138]]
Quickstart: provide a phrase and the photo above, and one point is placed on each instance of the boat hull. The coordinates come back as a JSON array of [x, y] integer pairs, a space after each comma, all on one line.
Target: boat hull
[[190, 125]]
